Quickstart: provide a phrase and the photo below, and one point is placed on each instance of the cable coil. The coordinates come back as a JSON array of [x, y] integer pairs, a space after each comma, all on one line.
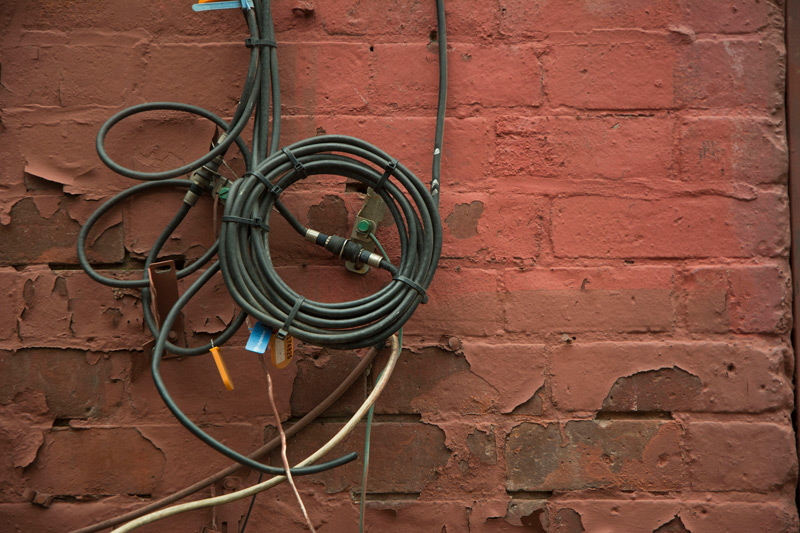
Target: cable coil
[[257, 288], [243, 246]]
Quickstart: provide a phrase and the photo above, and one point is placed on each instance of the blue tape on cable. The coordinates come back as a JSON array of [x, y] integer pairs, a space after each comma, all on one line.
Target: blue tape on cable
[[259, 338]]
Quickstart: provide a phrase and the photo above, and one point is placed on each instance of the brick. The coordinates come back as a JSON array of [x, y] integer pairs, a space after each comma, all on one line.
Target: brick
[[324, 78], [519, 83], [69, 515], [647, 515], [24, 418], [462, 302], [779, 515], [515, 370], [735, 378], [280, 510], [195, 384], [58, 147], [75, 384], [434, 381], [731, 73], [747, 299], [148, 214], [66, 309], [493, 228], [675, 227], [404, 456], [167, 20], [761, 299], [465, 152], [393, 88], [407, 21], [707, 292], [733, 149], [419, 516], [319, 371], [158, 141], [501, 516], [589, 453], [333, 513], [592, 76], [210, 310], [12, 283], [567, 520], [69, 74], [729, 16], [520, 18], [473, 467], [584, 147], [577, 300], [187, 458], [51, 236], [101, 317], [210, 75], [757, 457], [45, 320], [96, 461]]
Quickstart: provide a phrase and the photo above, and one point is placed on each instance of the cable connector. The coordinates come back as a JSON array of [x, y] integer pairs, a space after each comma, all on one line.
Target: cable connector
[[348, 249], [204, 178]]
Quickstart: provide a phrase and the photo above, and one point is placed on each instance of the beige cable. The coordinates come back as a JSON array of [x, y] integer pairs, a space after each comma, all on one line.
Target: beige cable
[[255, 489]]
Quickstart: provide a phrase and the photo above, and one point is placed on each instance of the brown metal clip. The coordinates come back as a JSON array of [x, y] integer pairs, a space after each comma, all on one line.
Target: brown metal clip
[[164, 291]]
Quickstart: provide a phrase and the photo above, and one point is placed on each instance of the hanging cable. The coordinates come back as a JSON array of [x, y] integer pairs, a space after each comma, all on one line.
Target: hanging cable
[[351, 424], [243, 245]]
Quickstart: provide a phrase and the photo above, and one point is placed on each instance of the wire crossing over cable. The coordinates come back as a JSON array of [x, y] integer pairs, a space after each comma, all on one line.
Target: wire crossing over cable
[[242, 252]]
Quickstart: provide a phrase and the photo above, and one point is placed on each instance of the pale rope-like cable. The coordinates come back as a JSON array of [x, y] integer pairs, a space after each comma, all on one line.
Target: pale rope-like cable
[[255, 489]]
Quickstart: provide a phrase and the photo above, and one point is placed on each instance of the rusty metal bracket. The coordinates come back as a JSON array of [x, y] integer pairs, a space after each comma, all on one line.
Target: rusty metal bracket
[[227, 518], [367, 221], [164, 291]]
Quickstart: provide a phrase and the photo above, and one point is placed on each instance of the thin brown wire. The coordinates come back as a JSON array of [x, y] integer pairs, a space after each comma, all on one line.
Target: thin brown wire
[[268, 447]]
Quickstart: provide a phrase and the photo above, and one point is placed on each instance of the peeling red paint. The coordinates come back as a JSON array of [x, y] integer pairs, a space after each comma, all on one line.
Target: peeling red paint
[[606, 346]]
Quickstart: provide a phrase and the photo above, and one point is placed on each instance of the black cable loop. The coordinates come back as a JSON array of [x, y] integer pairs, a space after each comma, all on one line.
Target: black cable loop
[[255, 285], [244, 256]]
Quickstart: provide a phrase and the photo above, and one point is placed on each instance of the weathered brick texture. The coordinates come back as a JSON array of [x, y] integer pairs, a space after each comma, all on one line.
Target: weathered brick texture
[[607, 342]]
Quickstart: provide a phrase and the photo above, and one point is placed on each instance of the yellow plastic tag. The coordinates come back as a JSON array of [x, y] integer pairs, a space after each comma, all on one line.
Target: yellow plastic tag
[[281, 351], [223, 371]]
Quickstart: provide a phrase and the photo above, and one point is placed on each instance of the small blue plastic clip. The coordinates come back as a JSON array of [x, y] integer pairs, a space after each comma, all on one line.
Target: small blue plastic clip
[[231, 4]]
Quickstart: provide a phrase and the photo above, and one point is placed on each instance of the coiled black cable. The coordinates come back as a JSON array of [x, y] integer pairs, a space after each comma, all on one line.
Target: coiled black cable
[[243, 248], [258, 289]]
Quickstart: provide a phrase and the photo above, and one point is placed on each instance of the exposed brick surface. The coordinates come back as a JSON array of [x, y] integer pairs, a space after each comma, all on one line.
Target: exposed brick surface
[[751, 299], [713, 75], [671, 228], [592, 76], [734, 377], [407, 453], [621, 147], [726, 149], [577, 300], [620, 454], [110, 470], [739, 456], [647, 515], [607, 344]]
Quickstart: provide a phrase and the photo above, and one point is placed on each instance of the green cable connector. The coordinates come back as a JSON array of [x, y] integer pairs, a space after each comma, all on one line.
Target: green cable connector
[[364, 226]]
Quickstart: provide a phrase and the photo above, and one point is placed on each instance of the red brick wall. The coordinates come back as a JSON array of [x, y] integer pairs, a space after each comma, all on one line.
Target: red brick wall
[[606, 347]]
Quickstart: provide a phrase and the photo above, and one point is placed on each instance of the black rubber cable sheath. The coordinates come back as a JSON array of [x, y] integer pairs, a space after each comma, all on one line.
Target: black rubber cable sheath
[[155, 367], [309, 417]]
